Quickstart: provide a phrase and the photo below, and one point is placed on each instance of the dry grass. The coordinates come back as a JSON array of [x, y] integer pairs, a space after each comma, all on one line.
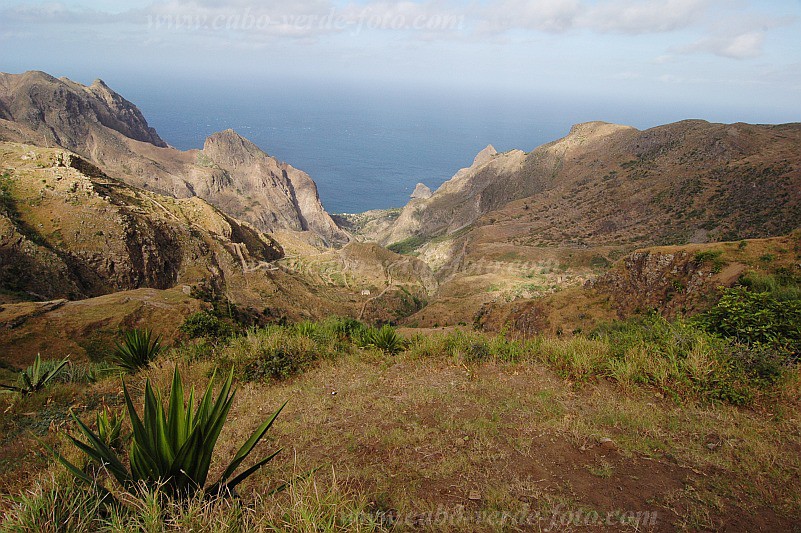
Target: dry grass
[[463, 430]]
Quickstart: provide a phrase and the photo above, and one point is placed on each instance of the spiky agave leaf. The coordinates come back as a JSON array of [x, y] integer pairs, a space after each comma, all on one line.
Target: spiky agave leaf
[[34, 378], [137, 350], [174, 447]]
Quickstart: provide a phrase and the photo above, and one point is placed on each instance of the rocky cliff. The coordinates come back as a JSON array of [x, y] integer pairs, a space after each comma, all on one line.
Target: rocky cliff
[[107, 130], [273, 194]]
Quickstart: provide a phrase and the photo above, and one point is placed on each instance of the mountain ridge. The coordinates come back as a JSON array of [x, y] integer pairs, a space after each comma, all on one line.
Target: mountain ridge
[[101, 126]]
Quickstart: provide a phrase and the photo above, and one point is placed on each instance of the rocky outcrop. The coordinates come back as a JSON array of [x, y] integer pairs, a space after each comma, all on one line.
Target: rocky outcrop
[[274, 194], [421, 192], [104, 128], [672, 282], [65, 113]]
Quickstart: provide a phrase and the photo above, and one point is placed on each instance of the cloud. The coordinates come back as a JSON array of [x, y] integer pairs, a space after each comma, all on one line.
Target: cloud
[[637, 17], [554, 16], [427, 20], [605, 16], [741, 46]]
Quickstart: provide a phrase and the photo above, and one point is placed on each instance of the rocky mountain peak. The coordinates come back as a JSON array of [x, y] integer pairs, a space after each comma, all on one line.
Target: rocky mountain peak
[[421, 191], [228, 148], [65, 109], [100, 125], [484, 155]]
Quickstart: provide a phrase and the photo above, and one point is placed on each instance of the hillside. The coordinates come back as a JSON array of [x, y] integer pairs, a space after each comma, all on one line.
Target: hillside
[[461, 431], [110, 132], [68, 231], [520, 226], [602, 333], [605, 184]]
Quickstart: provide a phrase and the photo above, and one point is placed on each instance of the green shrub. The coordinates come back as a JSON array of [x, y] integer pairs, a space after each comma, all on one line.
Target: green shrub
[[681, 359], [275, 364], [306, 328], [409, 245], [205, 324], [275, 352], [137, 350], [756, 318], [173, 447], [712, 257], [344, 327], [109, 428]]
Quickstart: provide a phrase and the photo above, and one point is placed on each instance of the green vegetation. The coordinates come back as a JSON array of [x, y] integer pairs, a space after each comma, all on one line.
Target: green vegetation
[[764, 311], [384, 338], [370, 401], [711, 257], [37, 376], [8, 207], [172, 449], [277, 352], [409, 245], [205, 324], [109, 429], [137, 350]]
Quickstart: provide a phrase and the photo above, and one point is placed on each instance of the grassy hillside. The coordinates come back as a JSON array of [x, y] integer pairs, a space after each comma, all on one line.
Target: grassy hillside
[[650, 426]]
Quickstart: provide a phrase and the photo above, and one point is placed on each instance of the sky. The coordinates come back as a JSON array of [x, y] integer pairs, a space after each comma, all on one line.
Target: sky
[[740, 56]]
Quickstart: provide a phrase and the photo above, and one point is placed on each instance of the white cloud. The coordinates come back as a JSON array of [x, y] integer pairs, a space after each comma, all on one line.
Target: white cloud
[[741, 46], [541, 15], [651, 16], [723, 27]]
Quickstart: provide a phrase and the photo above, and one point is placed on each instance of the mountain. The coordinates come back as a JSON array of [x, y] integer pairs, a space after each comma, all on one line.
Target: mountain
[[67, 230], [83, 255], [101, 126], [519, 226], [604, 184]]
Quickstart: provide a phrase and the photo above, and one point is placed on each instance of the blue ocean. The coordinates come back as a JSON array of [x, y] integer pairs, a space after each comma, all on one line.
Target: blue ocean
[[367, 148]]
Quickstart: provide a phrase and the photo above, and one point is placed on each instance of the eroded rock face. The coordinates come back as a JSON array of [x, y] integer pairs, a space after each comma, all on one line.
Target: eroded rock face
[[69, 231], [670, 282], [281, 196], [66, 112], [98, 124]]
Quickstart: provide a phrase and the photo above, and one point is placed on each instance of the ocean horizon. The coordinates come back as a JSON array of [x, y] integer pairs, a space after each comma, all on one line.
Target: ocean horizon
[[366, 148]]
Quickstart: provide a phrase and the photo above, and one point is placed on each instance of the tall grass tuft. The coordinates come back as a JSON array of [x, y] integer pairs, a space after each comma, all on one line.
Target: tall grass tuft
[[384, 338]]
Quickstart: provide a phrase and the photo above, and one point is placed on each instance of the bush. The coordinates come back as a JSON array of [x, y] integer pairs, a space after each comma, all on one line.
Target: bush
[[712, 257], [756, 319], [275, 352], [205, 324], [275, 364], [679, 358], [37, 376], [384, 338]]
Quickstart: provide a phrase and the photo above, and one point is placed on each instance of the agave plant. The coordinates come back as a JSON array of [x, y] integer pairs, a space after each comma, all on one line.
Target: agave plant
[[36, 377], [173, 448], [385, 338], [109, 428], [138, 350]]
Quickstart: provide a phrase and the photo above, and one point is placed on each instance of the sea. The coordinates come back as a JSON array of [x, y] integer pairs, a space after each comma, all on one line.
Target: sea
[[366, 147]]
